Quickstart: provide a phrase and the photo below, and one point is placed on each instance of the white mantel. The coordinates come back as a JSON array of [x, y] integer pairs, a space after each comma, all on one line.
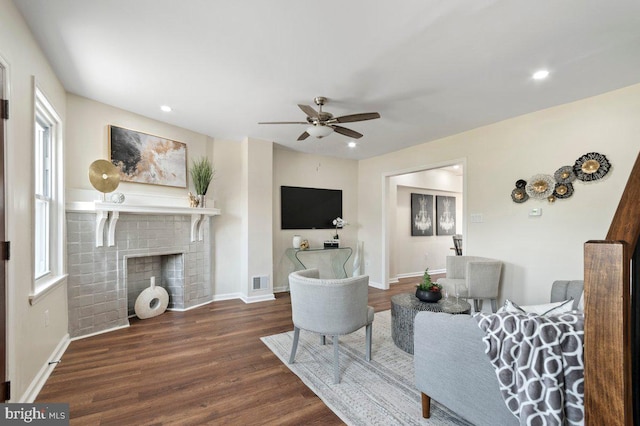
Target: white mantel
[[108, 214]]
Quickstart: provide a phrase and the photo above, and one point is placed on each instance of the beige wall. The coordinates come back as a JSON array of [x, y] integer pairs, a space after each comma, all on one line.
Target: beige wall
[[536, 251], [291, 168], [257, 233], [30, 344], [88, 140], [87, 137], [227, 227]]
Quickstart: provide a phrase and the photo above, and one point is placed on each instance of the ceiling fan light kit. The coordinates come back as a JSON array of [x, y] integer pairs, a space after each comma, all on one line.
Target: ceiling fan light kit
[[319, 131], [323, 123]]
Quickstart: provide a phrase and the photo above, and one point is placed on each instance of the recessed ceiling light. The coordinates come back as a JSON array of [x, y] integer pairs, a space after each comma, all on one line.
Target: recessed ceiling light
[[540, 75], [456, 166], [165, 108], [351, 144]]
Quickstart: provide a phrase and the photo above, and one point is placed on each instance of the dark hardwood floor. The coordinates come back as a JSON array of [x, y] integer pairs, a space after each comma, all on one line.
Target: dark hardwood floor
[[204, 366]]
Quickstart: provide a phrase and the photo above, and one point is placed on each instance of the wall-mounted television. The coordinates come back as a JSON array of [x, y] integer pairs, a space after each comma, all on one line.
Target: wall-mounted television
[[309, 208]]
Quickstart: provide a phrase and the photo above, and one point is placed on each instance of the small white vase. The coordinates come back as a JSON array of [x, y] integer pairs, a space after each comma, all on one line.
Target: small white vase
[[297, 239]]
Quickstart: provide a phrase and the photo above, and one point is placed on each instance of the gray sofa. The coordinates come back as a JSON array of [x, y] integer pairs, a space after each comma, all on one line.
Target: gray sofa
[[452, 368]]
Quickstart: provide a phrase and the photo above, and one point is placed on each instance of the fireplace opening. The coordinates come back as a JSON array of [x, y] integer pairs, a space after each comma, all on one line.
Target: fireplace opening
[[168, 270]]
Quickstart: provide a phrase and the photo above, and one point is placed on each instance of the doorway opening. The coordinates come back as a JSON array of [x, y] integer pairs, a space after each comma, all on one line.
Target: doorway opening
[[418, 235]]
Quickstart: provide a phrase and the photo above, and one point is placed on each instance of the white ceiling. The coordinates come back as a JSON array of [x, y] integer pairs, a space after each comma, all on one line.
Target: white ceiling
[[431, 68]]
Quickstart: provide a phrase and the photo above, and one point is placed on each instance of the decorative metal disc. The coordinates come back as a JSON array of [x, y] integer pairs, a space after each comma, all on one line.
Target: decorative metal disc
[[564, 174], [591, 166], [519, 195], [104, 176], [563, 190], [540, 186]]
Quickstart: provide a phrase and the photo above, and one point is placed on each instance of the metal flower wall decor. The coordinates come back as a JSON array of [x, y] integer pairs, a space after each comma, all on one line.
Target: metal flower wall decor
[[590, 167]]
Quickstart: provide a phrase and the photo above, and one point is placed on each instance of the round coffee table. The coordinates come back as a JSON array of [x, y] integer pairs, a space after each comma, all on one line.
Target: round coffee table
[[405, 307]]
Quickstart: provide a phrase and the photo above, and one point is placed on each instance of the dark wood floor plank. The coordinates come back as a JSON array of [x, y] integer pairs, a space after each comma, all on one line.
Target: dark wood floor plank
[[203, 366]]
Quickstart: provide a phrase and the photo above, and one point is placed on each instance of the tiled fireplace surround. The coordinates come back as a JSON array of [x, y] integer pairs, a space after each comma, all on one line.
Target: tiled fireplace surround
[[103, 280]]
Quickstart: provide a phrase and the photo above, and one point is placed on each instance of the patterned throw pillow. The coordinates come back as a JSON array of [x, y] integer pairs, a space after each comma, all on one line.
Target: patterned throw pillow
[[555, 308]]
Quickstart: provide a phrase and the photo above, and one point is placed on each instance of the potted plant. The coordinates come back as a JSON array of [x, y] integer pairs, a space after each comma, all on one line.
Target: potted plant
[[201, 173], [427, 290]]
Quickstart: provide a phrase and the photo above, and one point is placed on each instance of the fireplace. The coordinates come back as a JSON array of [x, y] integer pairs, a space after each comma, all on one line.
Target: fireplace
[[104, 279]]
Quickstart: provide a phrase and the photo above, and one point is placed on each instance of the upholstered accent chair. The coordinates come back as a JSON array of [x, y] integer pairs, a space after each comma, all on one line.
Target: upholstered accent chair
[[329, 307], [474, 277]]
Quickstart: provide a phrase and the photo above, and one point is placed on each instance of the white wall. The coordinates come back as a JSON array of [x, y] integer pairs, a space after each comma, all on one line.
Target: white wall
[[291, 168], [536, 251], [30, 343], [410, 255]]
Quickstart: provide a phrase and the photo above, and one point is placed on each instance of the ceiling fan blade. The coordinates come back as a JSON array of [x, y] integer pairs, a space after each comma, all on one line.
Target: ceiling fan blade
[[347, 132], [309, 111], [303, 136], [356, 117], [283, 122]]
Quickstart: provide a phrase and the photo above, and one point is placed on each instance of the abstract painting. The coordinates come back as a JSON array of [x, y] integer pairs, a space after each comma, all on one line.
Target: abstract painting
[[445, 215], [421, 215], [145, 158]]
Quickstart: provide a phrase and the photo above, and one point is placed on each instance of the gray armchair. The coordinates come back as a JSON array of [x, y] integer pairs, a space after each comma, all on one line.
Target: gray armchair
[[330, 308], [477, 278]]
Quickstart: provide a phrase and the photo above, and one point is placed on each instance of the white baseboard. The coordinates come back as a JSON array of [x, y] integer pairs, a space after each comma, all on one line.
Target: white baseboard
[[38, 382], [282, 289], [190, 307], [256, 299], [245, 299], [377, 285], [421, 273], [108, 330]]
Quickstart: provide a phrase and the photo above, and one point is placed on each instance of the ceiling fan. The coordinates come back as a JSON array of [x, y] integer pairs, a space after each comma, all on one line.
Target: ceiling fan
[[323, 123]]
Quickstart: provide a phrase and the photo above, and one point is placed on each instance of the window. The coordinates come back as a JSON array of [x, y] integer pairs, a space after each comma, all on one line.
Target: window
[[48, 200], [43, 199]]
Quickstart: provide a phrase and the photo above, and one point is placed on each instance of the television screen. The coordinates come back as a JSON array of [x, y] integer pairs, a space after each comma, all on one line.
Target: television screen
[[309, 208]]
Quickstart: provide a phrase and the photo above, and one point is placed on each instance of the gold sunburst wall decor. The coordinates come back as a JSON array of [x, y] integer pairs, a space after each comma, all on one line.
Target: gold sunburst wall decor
[[590, 167]]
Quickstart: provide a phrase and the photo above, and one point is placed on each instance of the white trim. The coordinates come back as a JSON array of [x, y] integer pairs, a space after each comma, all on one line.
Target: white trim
[[57, 233], [228, 296], [384, 264], [10, 368], [419, 274], [47, 288], [39, 381], [96, 333], [281, 289], [375, 284], [256, 299], [189, 308]]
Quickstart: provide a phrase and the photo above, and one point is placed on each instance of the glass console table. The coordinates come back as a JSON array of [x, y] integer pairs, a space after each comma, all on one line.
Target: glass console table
[[329, 261]]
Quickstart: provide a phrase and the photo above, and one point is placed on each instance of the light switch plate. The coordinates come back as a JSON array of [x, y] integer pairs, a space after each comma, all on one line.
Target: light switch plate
[[476, 218], [535, 212]]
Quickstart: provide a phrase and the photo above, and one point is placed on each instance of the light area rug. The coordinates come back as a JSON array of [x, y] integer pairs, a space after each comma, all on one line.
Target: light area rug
[[380, 392]]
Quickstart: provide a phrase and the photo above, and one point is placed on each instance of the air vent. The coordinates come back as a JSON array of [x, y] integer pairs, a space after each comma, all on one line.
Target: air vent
[[261, 282]]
